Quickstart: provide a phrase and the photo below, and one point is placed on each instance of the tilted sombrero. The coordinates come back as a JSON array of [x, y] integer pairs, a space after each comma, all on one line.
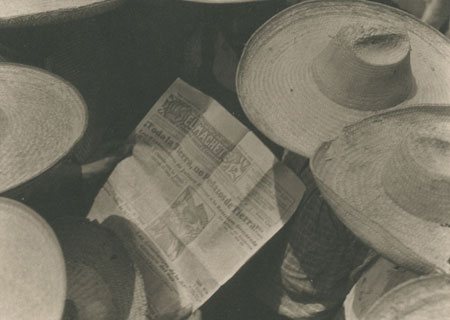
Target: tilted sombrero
[[373, 284], [320, 65], [32, 272], [34, 12], [102, 281], [42, 117], [388, 179]]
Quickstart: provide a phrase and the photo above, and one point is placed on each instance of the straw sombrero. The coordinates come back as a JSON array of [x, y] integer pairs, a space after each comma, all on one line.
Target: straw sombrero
[[102, 282], [41, 118], [388, 180], [34, 12], [320, 65], [32, 273], [427, 297], [376, 281]]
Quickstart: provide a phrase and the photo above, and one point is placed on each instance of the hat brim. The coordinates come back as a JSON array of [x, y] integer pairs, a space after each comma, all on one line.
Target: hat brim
[[42, 117], [349, 172], [274, 80], [373, 284], [426, 297], [33, 276], [34, 12]]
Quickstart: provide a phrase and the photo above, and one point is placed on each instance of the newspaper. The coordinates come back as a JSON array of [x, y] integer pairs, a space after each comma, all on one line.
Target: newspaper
[[197, 198]]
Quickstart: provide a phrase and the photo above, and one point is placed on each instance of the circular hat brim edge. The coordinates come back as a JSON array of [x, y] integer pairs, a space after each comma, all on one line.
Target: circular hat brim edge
[[83, 109]]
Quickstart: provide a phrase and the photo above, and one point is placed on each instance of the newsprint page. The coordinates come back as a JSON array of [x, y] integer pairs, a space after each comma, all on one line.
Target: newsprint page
[[197, 198]]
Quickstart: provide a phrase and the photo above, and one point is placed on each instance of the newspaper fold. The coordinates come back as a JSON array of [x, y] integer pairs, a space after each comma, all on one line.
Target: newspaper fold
[[197, 198]]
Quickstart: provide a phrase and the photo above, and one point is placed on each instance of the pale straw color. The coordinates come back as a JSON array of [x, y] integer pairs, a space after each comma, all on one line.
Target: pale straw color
[[377, 174], [102, 280], [41, 118], [15, 13], [32, 271], [320, 65], [426, 297], [376, 281]]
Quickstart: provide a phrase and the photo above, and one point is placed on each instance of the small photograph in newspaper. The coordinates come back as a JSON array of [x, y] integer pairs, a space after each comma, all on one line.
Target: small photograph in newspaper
[[197, 198]]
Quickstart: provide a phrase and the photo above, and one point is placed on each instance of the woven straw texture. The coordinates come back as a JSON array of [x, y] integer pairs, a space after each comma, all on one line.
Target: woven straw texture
[[320, 256], [427, 297], [379, 279], [32, 272], [320, 65], [102, 281], [387, 178], [41, 119], [34, 12]]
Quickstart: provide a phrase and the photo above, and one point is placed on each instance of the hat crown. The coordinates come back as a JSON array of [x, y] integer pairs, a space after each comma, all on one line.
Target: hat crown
[[417, 176], [379, 47], [365, 67]]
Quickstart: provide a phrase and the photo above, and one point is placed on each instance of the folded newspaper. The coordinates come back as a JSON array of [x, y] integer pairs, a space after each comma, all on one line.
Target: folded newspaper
[[197, 198]]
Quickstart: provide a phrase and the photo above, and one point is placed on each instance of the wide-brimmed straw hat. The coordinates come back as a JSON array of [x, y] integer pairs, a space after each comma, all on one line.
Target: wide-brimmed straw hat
[[34, 12], [388, 179], [32, 272], [426, 297], [102, 282], [320, 65], [42, 117], [380, 278]]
